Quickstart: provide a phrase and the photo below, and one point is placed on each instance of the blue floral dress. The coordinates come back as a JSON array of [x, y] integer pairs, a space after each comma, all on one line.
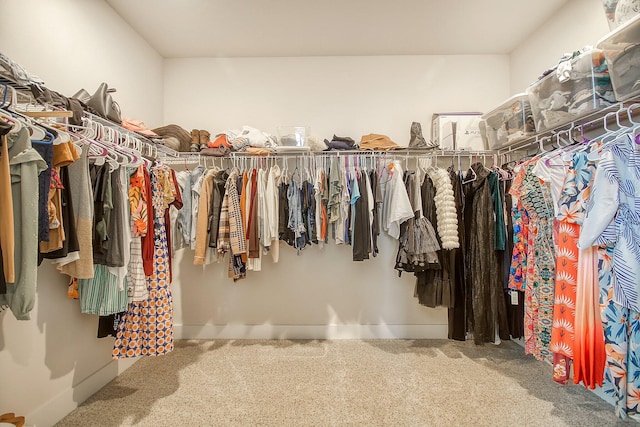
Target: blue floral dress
[[613, 217], [613, 222]]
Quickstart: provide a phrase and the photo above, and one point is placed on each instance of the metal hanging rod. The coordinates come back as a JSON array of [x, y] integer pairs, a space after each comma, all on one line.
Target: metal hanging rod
[[412, 153]]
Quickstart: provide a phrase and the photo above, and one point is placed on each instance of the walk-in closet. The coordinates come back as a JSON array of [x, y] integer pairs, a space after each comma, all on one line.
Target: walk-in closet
[[287, 213]]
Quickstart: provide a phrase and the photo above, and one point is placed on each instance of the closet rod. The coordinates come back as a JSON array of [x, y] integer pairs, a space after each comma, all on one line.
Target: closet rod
[[50, 114], [338, 153], [162, 150]]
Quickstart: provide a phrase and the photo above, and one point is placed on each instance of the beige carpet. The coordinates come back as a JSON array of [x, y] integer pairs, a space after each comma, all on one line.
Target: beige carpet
[[343, 382]]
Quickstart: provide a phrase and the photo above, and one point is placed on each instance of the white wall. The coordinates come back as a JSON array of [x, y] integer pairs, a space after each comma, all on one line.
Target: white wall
[[54, 361], [74, 44], [341, 95], [576, 24], [320, 293]]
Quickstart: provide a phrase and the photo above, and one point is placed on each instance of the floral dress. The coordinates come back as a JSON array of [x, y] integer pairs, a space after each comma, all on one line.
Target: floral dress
[[575, 193], [613, 221], [539, 296], [518, 270], [146, 328]]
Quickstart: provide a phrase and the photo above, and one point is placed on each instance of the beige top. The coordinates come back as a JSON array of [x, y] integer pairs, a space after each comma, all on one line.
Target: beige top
[[202, 224]]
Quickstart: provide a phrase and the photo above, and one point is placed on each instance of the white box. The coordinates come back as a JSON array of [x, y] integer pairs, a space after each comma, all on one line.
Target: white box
[[457, 131]]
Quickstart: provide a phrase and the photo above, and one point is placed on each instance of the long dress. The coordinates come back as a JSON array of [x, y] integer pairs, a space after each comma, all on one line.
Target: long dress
[[536, 199], [488, 312], [574, 195], [613, 219], [146, 328]]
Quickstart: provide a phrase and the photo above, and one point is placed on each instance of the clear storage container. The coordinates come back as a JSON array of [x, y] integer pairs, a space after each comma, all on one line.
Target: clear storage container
[[510, 122], [622, 51], [293, 136], [576, 88], [620, 11]]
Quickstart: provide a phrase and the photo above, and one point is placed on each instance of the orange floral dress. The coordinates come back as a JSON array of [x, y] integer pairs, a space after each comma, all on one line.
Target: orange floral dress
[[575, 193]]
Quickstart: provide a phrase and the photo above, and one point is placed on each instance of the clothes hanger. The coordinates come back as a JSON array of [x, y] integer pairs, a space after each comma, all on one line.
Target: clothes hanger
[[47, 140], [635, 129], [635, 126], [578, 147], [6, 99], [608, 137], [473, 172], [15, 123], [556, 152]]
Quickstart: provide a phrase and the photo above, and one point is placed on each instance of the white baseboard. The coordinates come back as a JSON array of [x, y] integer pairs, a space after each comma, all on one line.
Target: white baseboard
[[61, 405], [332, 331]]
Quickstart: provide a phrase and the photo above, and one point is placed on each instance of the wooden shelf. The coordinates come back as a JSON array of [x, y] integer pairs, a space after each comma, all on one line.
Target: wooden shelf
[[52, 114]]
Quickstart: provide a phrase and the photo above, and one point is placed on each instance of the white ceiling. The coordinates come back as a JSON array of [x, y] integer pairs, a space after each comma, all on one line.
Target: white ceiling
[[254, 28]]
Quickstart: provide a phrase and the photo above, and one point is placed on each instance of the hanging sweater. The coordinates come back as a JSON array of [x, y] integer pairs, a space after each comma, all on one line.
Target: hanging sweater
[[25, 164], [82, 197]]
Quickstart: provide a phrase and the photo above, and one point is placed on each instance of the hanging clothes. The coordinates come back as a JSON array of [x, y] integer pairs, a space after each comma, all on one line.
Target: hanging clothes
[[514, 299], [612, 219], [197, 178], [204, 217], [457, 314], [361, 246], [83, 209], [252, 217], [570, 214], [136, 279], [295, 220], [45, 149], [146, 329], [180, 226], [231, 234], [25, 165], [396, 205], [488, 310], [270, 237], [432, 284], [105, 293], [285, 233], [7, 236], [64, 234], [614, 216], [62, 231], [539, 288]]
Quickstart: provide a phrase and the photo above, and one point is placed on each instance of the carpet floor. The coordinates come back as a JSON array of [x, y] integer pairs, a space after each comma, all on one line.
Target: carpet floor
[[341, 382]]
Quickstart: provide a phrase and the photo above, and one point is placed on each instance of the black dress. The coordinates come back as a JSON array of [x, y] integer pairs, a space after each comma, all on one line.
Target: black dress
[[458, 311]]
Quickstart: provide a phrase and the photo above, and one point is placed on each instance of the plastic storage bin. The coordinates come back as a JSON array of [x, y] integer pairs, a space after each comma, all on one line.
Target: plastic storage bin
[[293, 136], [510, 122], [574, 89], [622, 50], [620, 11]]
